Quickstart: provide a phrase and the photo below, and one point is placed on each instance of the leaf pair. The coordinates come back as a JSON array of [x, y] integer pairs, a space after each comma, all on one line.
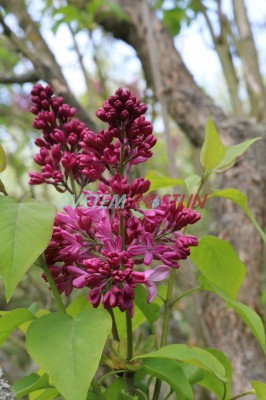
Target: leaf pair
[[214, 156]]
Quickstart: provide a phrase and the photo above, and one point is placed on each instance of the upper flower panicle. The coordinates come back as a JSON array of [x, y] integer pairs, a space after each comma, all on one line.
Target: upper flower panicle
[[121, 109]]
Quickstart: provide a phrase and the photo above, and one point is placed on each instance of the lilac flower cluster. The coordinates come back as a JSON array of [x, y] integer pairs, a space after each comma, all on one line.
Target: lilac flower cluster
[[107, 250]]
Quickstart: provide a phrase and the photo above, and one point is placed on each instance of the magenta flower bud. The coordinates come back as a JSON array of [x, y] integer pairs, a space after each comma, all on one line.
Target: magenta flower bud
[[39, 124], [72, 139], [36, 99], [68, 161], [36, 90], [49, 91], [56, 152], [119, 184], [140, 186], [58, 136], [36, 178], [39, 159], [119, 92], [47, 171], [34, 110], [101, 114], [45, 104], [124, 115], [118, 105], [40, 142], [95, 296]]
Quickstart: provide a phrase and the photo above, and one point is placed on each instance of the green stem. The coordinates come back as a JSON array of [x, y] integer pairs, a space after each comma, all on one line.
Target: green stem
[[97, 390], [238, 396], [129, 376], [116, 372], [53, 287], [187, 293], [73, 186], [166, 319], [114, 326], [3, 189], [122, 153], [169, 301]]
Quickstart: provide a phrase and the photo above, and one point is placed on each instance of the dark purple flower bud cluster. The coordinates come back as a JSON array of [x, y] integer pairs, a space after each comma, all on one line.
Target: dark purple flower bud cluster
[[107, 249], [68, 149]]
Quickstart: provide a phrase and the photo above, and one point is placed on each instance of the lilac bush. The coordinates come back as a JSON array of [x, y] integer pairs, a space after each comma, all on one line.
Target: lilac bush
[[105, 249]]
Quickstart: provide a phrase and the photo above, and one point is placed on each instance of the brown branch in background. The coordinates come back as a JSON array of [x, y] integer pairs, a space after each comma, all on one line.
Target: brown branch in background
[[30, 76], [159, 89], [223, 50], [40, 55], [80, 59], [99, 68], [247, 52]]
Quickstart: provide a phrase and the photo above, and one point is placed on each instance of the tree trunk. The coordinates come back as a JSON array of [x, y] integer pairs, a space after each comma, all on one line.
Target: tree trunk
[[187, 105], [246, 50], [40, 55], [5, 390]]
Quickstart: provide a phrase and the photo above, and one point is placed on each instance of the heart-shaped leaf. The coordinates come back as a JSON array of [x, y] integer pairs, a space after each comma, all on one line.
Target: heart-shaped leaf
[[260, 389], [12, 320], [69, 349], [217, 260], [232, 152], [212, 150], [2, 159], [190, 355], [170, 372], [26, 229], [241, 200]]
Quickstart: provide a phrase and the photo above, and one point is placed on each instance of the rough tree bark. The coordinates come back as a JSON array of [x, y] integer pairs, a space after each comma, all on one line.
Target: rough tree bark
[[33, 47], [247, 52], [222, 46], [187, 105], [5, 390]]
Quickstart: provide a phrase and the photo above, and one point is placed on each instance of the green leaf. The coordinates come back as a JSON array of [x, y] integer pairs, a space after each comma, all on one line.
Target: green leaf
[[248, 316], [211, 383], [217, 260], [151, 311], [69, 350], [77, 305], [29, 384], [232, 152], [170, 372], [252, 320], [12, 320], [172, 19], [241, 200], [137, 320], [260, 389], [112, 391], [3, 161], [26, 229], [125, 396], [194, 355], [192, 373], [212, 150], [191, 181], [158, 181], [48, 394]]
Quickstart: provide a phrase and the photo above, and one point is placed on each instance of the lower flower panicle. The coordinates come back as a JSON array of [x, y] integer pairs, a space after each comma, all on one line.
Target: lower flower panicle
[[87, 250]]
